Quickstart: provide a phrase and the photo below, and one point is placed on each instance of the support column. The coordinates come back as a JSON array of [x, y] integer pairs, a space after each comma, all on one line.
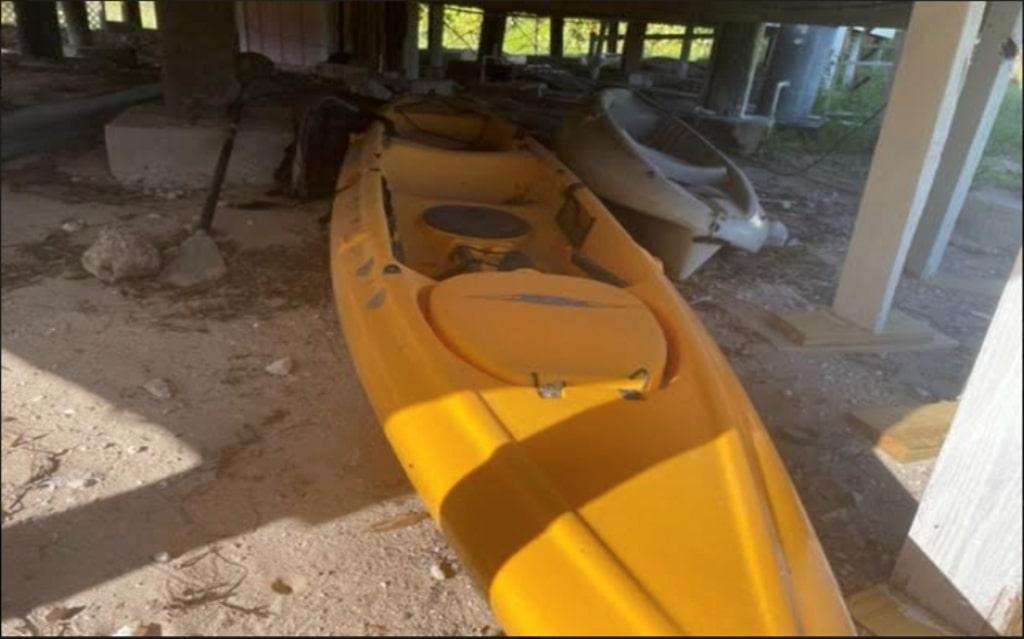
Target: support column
[[935, 56], [76, 18], [613, 37], [962, 558], [38, 29], [492, 34], [435, 38], [633, 46], [411, 42], [198, 64], [733, 69], [557, 37], [132, 15], [852, 57], [984, 88]]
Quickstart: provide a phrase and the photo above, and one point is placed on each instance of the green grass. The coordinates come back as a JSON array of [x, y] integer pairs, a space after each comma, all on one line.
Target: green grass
[[1000, 164]]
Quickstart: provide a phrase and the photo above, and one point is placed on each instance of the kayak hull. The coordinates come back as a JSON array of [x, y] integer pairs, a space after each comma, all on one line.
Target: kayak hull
[[597, 507]]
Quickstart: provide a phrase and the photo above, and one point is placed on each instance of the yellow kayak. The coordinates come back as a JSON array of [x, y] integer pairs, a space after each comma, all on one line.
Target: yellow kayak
[[562, 412]]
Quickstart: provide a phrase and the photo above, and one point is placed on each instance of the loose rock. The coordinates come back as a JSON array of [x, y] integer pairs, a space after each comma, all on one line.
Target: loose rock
[[280, 367], [440, 570], [159, 388], [120, 253], [72, 226], [162, 557], [198, 260]]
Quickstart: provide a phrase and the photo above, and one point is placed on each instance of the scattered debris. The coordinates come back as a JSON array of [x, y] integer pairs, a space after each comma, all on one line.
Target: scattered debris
[[63, 613], [198, 260], [281, 587], [162, 557], [441, 570], [139, 630], [120, 253], [280, 367], [72, 226], [159, 388], [85, 481]]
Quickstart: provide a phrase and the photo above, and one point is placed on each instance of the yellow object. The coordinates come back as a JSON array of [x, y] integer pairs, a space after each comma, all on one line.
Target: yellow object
[[562, 412]]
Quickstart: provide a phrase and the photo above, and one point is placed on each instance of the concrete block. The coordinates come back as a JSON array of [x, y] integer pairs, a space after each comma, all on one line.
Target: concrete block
[[432, 87], [147, 148]]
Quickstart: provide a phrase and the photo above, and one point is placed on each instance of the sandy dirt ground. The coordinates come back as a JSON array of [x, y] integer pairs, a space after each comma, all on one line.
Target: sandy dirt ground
[[249, 503]]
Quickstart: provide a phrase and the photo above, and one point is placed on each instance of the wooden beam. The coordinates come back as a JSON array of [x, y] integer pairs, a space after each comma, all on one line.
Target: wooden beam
[[935, 55], [984, 88], [962, 558]]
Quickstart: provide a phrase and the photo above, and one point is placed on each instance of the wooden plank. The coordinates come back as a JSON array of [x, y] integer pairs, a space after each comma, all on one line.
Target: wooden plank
[[907, 433], [884, 613], [962, 558], [982, 95], [935, 54], [821, 328]]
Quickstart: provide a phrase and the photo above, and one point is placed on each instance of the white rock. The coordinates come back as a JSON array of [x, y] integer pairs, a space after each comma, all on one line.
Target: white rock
[[162, 557], [72, 226], [159, 388], [439, 571], [280, 367]]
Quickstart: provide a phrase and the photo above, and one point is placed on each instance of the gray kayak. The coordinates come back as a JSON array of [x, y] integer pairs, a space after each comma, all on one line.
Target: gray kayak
[[640, 158]]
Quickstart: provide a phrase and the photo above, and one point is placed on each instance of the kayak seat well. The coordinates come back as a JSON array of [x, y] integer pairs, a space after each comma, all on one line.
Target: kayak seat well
[[683, 172], [550, 331]]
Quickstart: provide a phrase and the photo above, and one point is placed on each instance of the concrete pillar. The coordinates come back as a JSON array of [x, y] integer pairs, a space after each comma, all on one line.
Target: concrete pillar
[[492, 34], [198, 63], [557, 35], [936, 51], [732, 70], [435, 38], [633, 46], [76, 18], [800, 56], [411, 42], [132, 14], [962, 558], [982, 94], [38, 29]]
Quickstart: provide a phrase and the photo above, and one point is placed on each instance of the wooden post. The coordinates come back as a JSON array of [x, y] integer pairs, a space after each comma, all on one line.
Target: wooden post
[[492, 34], [556, 48], [76, 17], [962, 558], [613, 36], [435, 38], [983, 92], [852, 57], [411, 41], [198, 74], [132, 14], [684, 55], [38, 29], [633, 46], [935, 56], [733, 70]]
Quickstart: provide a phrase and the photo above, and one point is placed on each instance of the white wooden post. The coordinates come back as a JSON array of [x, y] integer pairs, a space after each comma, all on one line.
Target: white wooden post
[[983, 92], [852, 57], [962, 558], [935, 54]]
